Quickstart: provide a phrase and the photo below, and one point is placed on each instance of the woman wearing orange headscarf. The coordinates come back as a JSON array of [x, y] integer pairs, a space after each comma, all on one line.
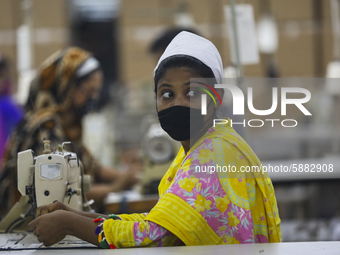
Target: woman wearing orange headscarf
[[65, 88]]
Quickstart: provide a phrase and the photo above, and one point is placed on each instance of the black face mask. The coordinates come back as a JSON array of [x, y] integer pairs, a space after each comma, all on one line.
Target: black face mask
[[176, 122], [90, 105]]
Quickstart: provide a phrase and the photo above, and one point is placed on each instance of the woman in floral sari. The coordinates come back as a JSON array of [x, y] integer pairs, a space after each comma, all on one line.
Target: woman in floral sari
[[195, 207]]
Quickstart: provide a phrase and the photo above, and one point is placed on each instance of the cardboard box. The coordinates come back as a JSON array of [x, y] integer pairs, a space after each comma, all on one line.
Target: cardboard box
[[9, 20], [295, 55], [142, 13], [50, 29], [51, 13], [304, 49], [292, 9]]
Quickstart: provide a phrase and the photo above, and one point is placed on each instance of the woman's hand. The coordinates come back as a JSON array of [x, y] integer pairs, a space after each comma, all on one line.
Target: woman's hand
[[44, 209], [51, 228]]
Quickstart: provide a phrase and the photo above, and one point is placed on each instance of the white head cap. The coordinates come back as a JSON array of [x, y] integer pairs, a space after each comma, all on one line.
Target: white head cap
[[186, 43]]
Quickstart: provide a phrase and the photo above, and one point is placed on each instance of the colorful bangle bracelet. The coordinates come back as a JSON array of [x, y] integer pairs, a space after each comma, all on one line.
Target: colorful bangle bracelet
[[99, 219], [99, 227], [103, 243], [114, 217]]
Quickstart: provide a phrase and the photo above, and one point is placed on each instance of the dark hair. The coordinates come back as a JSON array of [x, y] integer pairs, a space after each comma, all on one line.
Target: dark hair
[[165, 38], [178, 61]]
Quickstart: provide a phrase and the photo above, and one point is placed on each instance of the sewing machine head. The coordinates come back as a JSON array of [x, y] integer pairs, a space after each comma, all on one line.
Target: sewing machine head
[[52, 176], [159, 151], [43, 179]]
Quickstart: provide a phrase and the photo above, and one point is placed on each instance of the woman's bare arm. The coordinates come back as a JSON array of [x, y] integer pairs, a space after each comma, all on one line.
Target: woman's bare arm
[[52, 227], [45, 209]]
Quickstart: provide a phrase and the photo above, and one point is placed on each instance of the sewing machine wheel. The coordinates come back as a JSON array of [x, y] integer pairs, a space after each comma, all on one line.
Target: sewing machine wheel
[[159, 150]]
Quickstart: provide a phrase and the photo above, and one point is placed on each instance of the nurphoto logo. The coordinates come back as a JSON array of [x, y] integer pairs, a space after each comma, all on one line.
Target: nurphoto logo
[[239, 103]]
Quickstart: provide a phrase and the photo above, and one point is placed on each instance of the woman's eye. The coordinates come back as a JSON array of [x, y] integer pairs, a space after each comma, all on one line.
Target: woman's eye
[[192, 93], [167, 94]]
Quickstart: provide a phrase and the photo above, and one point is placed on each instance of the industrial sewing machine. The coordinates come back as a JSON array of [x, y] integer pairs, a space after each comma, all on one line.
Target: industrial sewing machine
[[159, 152], [43, 179]]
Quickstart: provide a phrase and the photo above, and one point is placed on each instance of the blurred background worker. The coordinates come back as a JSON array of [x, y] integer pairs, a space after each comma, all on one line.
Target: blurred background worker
[[162, 41], [66, 87], [10, 112]]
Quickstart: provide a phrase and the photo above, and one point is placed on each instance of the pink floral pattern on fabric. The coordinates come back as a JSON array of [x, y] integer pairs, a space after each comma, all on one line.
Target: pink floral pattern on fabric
[[204, 192], [219, 208], [150, 234]]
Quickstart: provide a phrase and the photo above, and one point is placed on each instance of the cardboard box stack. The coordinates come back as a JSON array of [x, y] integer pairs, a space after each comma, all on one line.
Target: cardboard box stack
[[304, 34], [50, 29]]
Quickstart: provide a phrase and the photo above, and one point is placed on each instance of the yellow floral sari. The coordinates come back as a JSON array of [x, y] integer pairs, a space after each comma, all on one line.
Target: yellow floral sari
[[200, 204], [217, 207]]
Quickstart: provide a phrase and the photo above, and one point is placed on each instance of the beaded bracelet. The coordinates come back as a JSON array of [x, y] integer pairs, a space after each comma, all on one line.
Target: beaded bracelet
[[115, 217], [103, 243]]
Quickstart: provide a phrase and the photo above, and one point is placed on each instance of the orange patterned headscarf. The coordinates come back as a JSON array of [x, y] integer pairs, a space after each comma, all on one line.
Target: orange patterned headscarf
[[56, 79]]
